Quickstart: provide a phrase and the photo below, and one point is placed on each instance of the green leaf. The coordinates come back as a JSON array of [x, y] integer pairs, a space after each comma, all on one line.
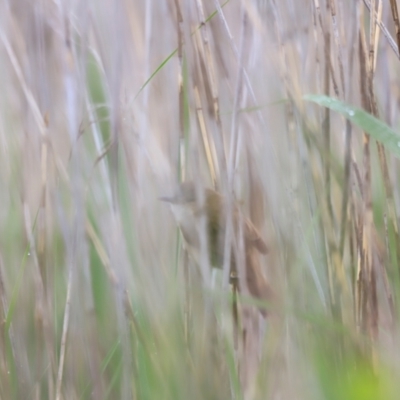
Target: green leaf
[[368, 123], [165, 61]]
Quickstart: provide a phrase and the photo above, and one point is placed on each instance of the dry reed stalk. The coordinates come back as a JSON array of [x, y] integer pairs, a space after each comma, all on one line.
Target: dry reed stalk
[[41, 250], [101, 251], [368, 307], [388, 289], [43, 315], [209, 63], [378, 31], [335, 29], [209, 79], [395, 15], [348, 134], [182, 161], [326, 128], [63, 344], [6, 334], [327, 46], [374, 33], [208, 145], [385, 31]]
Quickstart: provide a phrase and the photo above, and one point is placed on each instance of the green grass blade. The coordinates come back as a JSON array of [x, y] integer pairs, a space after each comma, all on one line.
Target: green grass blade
[[376, 128], [165, 61], [15, 291]]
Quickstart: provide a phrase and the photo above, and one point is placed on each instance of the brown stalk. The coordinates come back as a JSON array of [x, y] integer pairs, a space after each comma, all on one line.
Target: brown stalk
[[335, 30], [64, 334], [395, 15], [385, 32], [378, 31], [367, 284], [182, 159], [382, 158], [41, 246], [4, 335], [374, 312], [388, 290], [42, 309], [381, 152], [345, 196], [346, 183], [327, 47], [207, 144], [326, 126], [209, 76], [353, 245]]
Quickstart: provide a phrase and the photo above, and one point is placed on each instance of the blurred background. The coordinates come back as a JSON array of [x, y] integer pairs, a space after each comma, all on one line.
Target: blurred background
[[106, 106]]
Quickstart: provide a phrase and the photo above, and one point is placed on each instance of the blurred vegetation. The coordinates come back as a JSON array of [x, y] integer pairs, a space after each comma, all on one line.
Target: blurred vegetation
[[292, 107]]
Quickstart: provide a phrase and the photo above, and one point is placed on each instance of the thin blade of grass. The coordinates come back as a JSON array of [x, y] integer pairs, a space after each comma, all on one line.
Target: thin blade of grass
[[376, 128]]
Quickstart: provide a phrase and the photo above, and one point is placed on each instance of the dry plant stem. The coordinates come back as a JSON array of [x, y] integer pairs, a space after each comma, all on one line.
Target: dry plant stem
[[335, 29], [352, 247], [358, 232], [4, 366], [246, 79], [316, 41], [386, 283], [283, 70], [365, 253], [377, 34], [41, 246], [41, 305], [346, 182], [252, 276], [42, 210], [382, 160], [40, 122], [179, 22], [345, 195], [182, 160], [138, 335], [101, 252], [186, 310], [256, 192], [116, 74], [299, 148], [34, 108], [135, 326], [367, 278], [288, 92], [326, 126], [371, 63], [385, 32], [326, 36], [207, 65], [64, 333], [210, 77], [235, 315], [98, 141], [248, 269], [236, 104], [373, 307], [383, 163], [357, 176], [208, 146], [395, 14], [231, 165]]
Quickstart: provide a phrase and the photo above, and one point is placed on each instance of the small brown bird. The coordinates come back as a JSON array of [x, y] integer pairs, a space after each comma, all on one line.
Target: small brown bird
[[187, 212]]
